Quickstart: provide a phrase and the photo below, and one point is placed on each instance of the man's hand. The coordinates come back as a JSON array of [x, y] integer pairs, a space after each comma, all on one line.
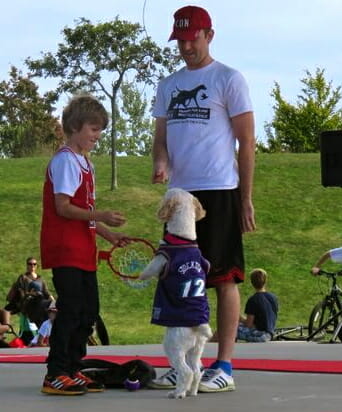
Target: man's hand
[[247, 217], [160, 174]]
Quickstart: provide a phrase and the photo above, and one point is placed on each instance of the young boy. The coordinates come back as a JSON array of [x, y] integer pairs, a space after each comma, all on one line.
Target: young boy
[[261, 310], [44, 332], [70, 223]]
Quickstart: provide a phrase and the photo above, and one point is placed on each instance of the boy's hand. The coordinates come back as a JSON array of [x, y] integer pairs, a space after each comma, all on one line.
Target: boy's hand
[[119, 239], [113, 218]]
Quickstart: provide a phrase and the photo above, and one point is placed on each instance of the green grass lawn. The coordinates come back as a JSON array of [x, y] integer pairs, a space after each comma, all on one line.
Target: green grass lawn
[[297, 219]]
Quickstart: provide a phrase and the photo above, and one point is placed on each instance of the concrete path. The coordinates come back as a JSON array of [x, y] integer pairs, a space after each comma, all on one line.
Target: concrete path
[[256, 391]]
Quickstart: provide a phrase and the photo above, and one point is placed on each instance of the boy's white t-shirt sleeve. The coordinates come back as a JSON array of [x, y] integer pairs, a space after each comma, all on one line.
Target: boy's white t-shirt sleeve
[[65, 174], [336, 255]]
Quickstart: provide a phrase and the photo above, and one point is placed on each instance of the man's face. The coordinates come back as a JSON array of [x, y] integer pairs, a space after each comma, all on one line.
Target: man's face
[[195, 53]]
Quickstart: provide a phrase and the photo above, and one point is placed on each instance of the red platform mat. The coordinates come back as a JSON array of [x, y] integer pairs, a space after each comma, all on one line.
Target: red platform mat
[[274, 365]]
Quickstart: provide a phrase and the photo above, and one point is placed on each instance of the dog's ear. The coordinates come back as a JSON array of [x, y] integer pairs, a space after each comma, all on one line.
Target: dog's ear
[[199, 211], [166, 209]]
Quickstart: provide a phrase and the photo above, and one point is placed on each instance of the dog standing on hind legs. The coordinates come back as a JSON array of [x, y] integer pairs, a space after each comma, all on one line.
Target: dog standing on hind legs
[[180, 301]]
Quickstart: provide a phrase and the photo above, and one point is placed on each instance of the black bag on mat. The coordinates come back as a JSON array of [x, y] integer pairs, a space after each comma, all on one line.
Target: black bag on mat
[[113, 375]]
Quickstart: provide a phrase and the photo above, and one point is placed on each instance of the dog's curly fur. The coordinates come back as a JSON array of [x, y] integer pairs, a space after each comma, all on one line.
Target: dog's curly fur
[[183, 345]]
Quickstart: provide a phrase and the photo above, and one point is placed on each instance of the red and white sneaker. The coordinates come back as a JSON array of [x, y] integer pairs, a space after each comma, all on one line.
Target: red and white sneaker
[[62, 385], [85, 381]]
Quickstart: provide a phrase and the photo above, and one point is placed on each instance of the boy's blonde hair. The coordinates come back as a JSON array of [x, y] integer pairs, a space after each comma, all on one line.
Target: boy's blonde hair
[[83, 109], [258, 278]]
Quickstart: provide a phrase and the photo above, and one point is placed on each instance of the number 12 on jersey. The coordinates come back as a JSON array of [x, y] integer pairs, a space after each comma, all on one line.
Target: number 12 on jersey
[[193, 288]]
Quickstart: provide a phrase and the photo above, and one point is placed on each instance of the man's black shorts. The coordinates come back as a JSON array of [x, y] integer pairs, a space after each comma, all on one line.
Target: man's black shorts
[[219, 235]]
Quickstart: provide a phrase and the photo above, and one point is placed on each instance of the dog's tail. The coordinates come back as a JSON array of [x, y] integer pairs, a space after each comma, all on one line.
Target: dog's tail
[[205, 330]]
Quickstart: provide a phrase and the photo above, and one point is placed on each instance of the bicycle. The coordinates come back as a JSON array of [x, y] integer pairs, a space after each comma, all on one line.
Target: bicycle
[[290, 333], [325, 322]]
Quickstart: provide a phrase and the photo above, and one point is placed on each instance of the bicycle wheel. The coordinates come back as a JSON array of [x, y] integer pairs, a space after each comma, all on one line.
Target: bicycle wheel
[[320, 314], [295, 333]]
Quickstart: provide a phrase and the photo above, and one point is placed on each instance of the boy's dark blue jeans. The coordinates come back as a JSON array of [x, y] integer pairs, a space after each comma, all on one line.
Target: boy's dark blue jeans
[[77, 310], [252, 334]]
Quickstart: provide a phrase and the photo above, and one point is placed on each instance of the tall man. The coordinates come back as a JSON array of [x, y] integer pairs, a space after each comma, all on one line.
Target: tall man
[[202, 111]]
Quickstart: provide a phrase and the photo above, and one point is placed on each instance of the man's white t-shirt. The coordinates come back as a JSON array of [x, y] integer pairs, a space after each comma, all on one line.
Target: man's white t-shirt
[[198, 106]]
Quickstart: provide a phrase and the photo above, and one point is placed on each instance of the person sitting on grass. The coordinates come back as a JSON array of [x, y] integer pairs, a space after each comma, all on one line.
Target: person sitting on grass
[[261, 311], [4, 327], [44, 332], [335, 255], [29, 295]]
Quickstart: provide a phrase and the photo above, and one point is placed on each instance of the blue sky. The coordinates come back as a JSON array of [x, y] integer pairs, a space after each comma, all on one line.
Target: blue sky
[[267, 40]]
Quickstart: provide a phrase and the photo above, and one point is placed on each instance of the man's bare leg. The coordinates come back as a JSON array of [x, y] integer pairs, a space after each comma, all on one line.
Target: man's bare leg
[[228, 313]]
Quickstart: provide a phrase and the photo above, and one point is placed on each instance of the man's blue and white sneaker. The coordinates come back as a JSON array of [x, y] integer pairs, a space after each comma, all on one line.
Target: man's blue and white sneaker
[[216, 380], [166, 381]]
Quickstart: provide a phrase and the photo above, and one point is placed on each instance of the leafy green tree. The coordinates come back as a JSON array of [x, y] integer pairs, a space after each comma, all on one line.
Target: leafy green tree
[[134, 126], [297, 127], [98, 57], [26, 121], [136, 136]]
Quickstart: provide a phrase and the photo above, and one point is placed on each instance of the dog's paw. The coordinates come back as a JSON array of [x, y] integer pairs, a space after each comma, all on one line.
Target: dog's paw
[[176, 395], [192, 392]]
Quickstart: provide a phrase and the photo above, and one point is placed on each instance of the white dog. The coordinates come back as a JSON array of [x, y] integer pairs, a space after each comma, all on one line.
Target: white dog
[[180, 301]]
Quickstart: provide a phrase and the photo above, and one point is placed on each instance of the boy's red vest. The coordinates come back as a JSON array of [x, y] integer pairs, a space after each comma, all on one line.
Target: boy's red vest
[[68, 242]]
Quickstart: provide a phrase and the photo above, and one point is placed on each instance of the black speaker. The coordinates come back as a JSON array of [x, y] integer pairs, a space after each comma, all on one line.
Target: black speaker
[[331, 158]]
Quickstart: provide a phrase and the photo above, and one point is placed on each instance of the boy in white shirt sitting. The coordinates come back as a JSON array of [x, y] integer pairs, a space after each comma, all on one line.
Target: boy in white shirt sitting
[[42, 337]]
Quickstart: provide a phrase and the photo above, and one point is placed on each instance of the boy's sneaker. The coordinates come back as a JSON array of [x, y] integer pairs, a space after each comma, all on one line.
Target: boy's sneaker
[[216, 380], [88, 383], [62, 385], [166, 381]]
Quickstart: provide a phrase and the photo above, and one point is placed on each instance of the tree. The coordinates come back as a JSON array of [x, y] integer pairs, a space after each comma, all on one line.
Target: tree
[[134, 127], [296, 128], [137, 129], [26, 120], [98, 57]]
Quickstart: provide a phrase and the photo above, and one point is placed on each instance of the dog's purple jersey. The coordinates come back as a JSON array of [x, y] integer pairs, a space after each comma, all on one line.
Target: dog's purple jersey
[[180, 298]]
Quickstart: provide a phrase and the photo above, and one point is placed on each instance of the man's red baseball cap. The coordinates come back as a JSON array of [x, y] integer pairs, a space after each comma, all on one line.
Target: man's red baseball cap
[[189, 21]]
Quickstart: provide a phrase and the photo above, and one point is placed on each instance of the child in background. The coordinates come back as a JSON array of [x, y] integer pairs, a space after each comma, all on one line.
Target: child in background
[[44, 332], [261, 311], [4, 327]]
